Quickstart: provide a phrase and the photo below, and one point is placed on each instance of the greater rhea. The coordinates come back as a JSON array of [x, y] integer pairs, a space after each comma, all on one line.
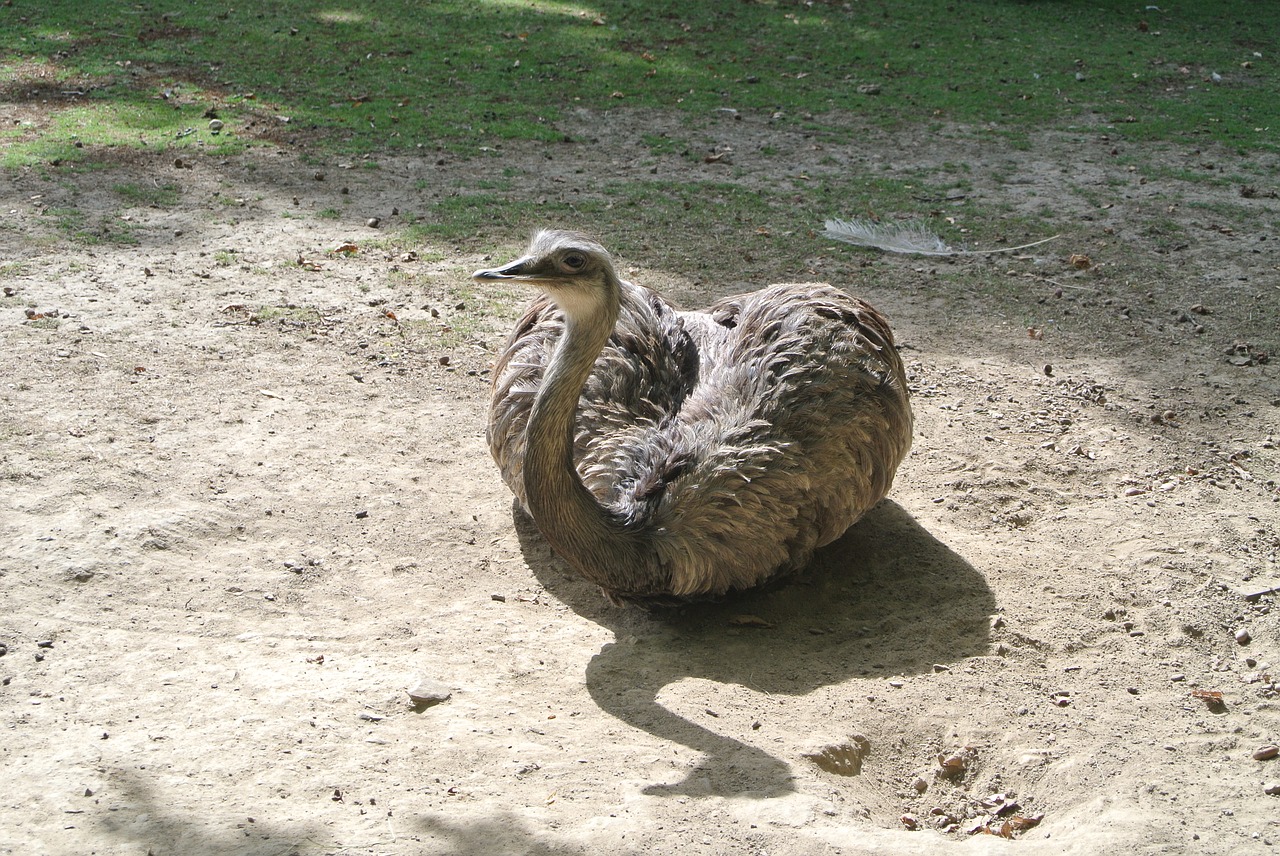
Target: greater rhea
[[672, 456]]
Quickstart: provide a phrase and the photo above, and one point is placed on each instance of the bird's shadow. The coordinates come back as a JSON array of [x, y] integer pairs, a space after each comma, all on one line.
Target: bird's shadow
[[886, 598]]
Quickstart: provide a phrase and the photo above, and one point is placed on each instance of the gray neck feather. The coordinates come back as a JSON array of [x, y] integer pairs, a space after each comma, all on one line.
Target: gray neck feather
[[597, 544]]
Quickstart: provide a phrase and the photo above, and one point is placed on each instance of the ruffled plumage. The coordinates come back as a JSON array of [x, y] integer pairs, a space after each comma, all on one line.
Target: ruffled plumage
[[740, 438]]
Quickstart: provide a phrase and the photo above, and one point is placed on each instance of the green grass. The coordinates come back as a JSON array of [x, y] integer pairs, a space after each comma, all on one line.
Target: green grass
[[466, 74], [77, 225], [153, 195], [294, 316]]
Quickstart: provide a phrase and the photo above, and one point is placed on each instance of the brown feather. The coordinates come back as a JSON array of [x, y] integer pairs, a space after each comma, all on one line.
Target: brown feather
[[724, 446]]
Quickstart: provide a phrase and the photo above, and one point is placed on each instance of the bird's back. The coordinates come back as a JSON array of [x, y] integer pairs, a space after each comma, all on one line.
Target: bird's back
[[743, 436]]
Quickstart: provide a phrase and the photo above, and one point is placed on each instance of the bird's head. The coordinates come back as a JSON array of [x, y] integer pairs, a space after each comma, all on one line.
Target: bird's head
[[575, 271]]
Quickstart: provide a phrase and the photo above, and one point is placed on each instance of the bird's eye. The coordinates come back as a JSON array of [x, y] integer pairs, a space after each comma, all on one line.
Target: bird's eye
[[574, 261]]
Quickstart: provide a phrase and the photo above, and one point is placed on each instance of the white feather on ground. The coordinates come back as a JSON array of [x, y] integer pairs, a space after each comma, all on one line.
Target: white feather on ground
[[909, 236]]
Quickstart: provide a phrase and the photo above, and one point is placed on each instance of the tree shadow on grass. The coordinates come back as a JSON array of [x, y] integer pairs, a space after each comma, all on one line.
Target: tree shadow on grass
[[886, 598]]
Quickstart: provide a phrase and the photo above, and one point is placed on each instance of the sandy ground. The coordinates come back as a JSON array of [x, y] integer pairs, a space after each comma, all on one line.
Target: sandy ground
[[245, 506]]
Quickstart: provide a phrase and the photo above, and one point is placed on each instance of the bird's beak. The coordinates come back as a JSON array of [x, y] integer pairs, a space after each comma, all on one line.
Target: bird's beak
[[515, 270]]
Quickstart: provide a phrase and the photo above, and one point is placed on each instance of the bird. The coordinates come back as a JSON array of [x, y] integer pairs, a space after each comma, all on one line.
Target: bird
[[677, 456]]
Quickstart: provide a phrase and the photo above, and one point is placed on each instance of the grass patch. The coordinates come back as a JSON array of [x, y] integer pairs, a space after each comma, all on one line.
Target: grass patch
[[153, 195], [289, 315], [464, 75]]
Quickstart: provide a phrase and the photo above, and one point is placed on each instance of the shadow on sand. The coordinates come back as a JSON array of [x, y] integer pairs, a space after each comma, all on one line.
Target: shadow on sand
[[886, 598]]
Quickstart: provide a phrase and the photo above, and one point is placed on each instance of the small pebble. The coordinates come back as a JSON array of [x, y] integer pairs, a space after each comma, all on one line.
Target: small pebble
[[429, 692], [45, 643], [1243, 637], [500, 598], [1272, 789], [372, 222], [215, 126], [1266, 753], [1178, 677]]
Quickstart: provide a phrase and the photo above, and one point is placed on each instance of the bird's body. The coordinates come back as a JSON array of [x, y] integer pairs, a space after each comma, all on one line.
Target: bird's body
[[673, 455]]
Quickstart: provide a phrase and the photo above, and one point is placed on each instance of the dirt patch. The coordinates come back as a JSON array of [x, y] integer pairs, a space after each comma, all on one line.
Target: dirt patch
[[247, 505]]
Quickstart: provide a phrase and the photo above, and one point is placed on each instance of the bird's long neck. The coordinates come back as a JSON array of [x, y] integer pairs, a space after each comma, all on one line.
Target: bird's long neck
[[600, 546]]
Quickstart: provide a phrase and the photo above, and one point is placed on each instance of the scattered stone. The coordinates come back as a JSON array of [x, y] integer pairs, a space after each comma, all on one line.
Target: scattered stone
[[4, 649], [429, 692], [1266, 753], [371, 717], [215, 126], [750, 621], [954, 764], [910, 822], [1256, 594], [373, 222], [1272, 789], [920, 785], [500, 598], [1243, 637], [45, 643], [361, 515], [1000, 804]]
